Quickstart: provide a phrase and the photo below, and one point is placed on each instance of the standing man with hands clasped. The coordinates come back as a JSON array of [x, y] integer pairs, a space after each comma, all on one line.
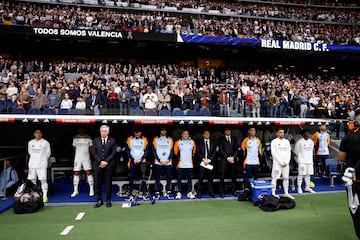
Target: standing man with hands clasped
[[39, 152], [163, 152], [104, 157], [206, 150], [281, 154], [228, 149]]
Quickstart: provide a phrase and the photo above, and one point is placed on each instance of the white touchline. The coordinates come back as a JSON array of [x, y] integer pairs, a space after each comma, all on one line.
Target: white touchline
[[67, 230], [80, 216]]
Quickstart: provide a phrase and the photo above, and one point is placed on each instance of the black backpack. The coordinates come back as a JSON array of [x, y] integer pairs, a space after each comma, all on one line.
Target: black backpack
[[28, 198], [269, 203], [286, 203], [245, 195]]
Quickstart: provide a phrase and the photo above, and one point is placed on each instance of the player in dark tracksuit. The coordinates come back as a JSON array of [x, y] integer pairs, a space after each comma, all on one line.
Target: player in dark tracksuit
[[350, 154]]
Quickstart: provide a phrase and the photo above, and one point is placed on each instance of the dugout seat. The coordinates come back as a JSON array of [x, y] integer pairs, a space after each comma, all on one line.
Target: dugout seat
[[49, 111], [64, 111], [164, 112], [18, 111], [34, 111], [333, 167]]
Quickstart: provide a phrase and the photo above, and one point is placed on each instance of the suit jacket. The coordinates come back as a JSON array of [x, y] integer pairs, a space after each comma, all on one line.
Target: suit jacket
[[201, 150], [98, 101], [228, 150], [109, 150]]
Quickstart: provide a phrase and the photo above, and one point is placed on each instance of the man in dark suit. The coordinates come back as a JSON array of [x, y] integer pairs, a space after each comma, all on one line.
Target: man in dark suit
[[206, 151], [104, 149], [228, 149], [94, 101]]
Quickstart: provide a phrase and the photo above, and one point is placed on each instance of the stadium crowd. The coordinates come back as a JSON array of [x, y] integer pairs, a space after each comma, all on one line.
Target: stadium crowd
[[114, 88], [74, 17], [266, 10]]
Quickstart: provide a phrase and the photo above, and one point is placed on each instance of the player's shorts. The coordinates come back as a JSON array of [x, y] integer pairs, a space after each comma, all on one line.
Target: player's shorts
[[37, 173], [279, 171], [84, 163], [305, 169]]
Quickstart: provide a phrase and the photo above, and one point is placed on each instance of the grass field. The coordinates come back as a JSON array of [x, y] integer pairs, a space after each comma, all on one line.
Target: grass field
[[321, 216]]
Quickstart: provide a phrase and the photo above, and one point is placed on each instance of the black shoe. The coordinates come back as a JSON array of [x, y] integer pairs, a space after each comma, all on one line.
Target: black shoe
[[199, 196], [212, 195], [108, 204], [234, 193], [98, 204], [222, 195]]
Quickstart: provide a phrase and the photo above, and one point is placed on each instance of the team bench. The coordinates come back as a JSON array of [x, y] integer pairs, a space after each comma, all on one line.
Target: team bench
[[123, 183]]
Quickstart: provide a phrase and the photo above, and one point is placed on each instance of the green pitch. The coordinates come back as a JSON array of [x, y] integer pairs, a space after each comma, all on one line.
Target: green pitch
[[320, 216]]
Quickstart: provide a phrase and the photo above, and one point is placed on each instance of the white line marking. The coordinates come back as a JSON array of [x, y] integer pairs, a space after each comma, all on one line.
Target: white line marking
[[66, 230], [80, 216]]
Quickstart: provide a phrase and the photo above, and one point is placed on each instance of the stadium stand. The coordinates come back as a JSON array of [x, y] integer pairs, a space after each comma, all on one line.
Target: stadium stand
[[251, 21], [291, 95]]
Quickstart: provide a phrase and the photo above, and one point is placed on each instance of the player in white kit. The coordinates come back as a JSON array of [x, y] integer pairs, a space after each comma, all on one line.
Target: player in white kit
[[39, 152], [281, 154], [82, 144], [304, 150]]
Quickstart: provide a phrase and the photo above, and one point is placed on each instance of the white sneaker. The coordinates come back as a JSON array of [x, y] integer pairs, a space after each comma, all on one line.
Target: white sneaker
[[190, 195], [91, 192], [275, 195], [74, 194], [300, 191], [157, 195], [289, 196], [169, 195], [309, 190], [178, 196]]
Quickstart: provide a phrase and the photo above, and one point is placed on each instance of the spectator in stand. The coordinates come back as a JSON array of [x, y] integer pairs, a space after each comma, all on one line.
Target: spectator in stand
[[3, 89], [11, 90], [176, 100], [273, 104], [244, 90], [204, 97], [224, 103], [313, 104], [80, 103], [296, 103], [303, 105], [284, 104], [238, 95], [188, 100], [53, 99], [112, 99], [94, 101], [23, 100], [164, 100], [39, 101], [124, 98], [73, 93], [248, 104], [256, 103], [150, 99], [66, 103], [264, 104], [134, 101]]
